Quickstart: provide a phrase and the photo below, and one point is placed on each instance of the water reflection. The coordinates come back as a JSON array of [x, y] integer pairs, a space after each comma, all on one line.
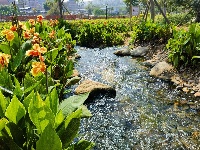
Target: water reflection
[[146, 113]]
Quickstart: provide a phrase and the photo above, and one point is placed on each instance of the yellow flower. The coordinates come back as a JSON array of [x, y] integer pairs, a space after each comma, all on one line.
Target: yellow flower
[[4, 59], [52, 34], [9, 34], [43, 50], [38, 67]]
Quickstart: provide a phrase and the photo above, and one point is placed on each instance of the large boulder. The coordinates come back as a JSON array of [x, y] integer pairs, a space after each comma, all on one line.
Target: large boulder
[[95, 89], [123, 52], [139, 51], [160, 68]]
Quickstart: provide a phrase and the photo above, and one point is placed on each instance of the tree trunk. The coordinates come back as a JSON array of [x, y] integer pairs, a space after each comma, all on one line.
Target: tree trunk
[[197, 16], [60, 3], [152, 10]]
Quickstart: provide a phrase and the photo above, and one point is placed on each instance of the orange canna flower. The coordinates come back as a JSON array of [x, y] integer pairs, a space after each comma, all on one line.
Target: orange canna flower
[[36, 51], [52, 34], [40, 18], [4, 60], [13, 28], [32, 30], [27, 35], [38, 67], [43, 50], [32, 22], [9, 34]]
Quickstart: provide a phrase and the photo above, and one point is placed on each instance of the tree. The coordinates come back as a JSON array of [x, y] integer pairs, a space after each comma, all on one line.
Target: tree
[[190, 4]]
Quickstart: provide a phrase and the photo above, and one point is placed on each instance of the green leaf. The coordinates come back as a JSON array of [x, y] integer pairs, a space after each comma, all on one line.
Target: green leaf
[[194, 57], [30, 81], [52, 101], [26, 46], [28, 99], [68, 130], [59, 118], [49, 140], [15, 110], [6, 90], [3, 122], [40, 114], [72, 103], [52, 54], [17, 60], [85, 111], [83, 145], [17, 91], [3, 104], [5, 48]]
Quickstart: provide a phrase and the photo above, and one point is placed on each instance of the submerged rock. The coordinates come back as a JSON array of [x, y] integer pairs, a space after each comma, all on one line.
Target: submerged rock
[[139, 51], [95, 89]]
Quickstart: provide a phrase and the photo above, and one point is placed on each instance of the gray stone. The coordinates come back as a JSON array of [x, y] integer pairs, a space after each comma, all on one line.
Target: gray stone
[[139, 51], [122, 52], [160, 68]]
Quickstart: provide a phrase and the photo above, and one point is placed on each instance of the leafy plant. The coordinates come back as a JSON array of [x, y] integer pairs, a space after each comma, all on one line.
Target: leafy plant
[[184, 46]]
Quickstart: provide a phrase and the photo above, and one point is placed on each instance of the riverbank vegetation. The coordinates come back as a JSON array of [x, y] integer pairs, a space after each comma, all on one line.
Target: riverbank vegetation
[[36, 62]]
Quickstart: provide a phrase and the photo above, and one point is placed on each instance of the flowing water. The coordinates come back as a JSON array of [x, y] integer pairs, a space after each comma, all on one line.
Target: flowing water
[[146, 113]]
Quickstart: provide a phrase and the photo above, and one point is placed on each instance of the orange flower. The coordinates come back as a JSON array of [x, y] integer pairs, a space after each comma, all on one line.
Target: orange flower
[[9, 34], [27, 35], [13, 28], [40, 18], [43, 50], [32, 30], [38, 67], [4, 59], [32, 22], [36, 51], [52, 34]]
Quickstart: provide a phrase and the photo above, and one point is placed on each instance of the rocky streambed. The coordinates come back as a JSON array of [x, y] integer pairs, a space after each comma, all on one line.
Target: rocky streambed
[[146, 112]]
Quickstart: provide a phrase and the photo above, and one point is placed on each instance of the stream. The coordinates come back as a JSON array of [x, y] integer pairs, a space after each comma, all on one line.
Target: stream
[[146, 113]]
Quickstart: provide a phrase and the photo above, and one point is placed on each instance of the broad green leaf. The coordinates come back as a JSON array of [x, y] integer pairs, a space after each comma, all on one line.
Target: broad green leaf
[[15, 110], [52, 101], [59, 118], [16, 132], [17, 91], [49, 140], [34, 85], [72, 103], [5, 48], [68, 130], [85, 111], [17, 60], [195, 57], [3, 122], [40, 114], [3, 104], [69, 68], [52, 54], [83, 145], [26, 46], [28, 99]]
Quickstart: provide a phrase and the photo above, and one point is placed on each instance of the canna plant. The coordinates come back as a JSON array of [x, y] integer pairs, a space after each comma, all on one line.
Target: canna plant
[[184, 46], [35, 64]]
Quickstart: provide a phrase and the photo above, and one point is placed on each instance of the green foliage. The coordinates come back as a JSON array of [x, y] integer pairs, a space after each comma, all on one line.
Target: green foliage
[[98, 33], [47, 128], [184, 46], [149, 32]]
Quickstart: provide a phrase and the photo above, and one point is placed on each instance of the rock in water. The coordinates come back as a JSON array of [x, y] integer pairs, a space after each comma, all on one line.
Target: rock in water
[[139, 51], [95, 89], [123, 52]]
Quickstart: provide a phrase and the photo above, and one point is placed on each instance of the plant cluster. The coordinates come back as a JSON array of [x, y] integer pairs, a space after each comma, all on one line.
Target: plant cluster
[[35, 64], [97, 33], [184, 46], [149, 32]]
